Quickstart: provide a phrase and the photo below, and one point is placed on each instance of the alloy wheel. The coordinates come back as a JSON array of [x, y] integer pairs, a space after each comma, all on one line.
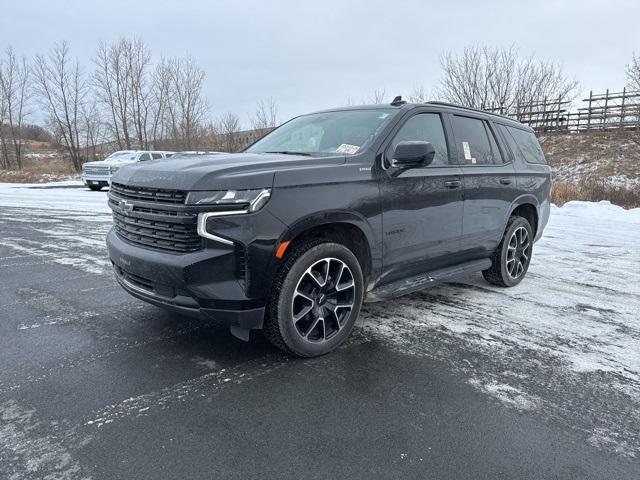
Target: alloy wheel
[[518, 252], [323, 300]]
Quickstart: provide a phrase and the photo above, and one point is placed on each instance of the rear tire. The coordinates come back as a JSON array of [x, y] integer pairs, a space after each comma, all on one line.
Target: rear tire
[[510, 261], [315, 299], [95, 188]]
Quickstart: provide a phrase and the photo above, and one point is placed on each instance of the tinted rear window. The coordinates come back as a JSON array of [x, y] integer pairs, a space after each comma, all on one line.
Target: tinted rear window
[[476, 145], [528, 145]]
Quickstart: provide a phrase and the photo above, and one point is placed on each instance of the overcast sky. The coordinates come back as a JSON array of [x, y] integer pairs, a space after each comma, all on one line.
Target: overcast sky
[[309, 55]]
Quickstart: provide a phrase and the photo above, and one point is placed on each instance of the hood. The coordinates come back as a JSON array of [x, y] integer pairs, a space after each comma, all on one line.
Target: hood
[[217, 172], [107, 162]]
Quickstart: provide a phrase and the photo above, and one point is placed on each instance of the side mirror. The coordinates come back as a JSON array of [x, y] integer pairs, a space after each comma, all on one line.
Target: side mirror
[[413, 154]]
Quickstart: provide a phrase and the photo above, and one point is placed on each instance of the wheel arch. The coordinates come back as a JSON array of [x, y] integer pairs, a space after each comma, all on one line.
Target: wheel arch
[[346, 228], [526, 206]]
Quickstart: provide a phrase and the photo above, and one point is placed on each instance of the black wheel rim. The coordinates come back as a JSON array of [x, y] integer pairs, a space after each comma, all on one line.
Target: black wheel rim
[[518, 253], [323, 300]]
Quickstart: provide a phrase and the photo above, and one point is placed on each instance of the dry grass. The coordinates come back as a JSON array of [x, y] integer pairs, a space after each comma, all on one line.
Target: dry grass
[[41, 163], [592, 190], [611, 154]]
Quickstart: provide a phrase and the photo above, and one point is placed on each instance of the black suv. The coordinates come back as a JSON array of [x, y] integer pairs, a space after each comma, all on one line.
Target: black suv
[[327, 211]]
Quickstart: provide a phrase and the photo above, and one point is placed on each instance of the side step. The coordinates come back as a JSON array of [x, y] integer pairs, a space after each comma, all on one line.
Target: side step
[[424, 280]]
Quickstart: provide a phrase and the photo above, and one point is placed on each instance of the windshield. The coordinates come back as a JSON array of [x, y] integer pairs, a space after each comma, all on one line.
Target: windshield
[[344, 132], [121, 153]]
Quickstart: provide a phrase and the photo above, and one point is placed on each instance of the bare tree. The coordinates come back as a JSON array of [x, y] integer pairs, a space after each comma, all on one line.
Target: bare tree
[[111, 80], [186, 106], [377, 96], [14, 88], [265, 118], [159, 104], [633, 73], [138, 63], [4, 151], [227, 129], [484, 77], [633, 79], [419, 95], [61, 89], [92, 128]]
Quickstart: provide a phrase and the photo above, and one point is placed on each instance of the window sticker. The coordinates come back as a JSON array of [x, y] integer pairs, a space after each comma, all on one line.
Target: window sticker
[[346, 148], [467, 151]]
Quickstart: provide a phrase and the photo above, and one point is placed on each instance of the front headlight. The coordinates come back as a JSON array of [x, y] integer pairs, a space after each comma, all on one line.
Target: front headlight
[[229, 202], [242, 201]]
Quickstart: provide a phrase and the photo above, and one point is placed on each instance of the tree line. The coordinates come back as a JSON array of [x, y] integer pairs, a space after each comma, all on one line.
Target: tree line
[[128, 99], [125, 100]]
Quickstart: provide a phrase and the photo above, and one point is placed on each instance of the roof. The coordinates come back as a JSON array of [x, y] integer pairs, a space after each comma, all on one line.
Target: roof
[[448, 106], [475, 110]]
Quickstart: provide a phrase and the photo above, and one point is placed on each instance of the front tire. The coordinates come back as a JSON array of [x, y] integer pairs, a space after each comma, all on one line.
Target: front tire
[[510, 261], [315, 300]]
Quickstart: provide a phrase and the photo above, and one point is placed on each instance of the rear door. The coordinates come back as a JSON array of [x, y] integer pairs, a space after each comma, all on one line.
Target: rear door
[[489, 184], [422, 207]]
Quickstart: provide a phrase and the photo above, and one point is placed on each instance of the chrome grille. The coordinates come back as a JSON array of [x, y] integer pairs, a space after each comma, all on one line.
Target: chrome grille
[[149, 223], [96, 170]]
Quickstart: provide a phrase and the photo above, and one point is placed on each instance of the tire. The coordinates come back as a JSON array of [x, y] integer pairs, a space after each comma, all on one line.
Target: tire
[[298, 287], [95, 188], [510, 261]]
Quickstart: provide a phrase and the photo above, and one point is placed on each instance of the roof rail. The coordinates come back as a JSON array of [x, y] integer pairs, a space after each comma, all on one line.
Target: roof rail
[[462, 107]]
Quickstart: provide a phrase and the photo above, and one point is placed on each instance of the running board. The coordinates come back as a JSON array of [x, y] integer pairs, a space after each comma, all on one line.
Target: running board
[[424, 280]]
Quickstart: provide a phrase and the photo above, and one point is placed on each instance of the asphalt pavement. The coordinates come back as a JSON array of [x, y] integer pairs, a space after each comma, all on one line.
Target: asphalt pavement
[[96, 384]]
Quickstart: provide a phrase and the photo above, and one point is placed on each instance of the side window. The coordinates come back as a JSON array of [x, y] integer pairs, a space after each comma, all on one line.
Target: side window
[[476, 143], [144, 157], [511, 144], [529, 146], [156, 155], [426, 127]]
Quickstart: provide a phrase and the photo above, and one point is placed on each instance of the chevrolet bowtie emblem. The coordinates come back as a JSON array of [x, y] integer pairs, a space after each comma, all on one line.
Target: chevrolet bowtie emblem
[[126, 206]]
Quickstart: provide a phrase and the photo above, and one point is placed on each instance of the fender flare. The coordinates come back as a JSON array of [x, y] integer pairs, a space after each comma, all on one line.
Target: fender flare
[[526, 198], [317, 219]]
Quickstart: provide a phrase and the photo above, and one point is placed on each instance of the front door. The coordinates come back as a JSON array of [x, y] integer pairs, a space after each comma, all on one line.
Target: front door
[[422, 207]]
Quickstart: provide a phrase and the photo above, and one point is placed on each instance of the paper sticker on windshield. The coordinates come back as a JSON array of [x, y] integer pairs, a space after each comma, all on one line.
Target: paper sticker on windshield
[[346, 148], [467, 150]]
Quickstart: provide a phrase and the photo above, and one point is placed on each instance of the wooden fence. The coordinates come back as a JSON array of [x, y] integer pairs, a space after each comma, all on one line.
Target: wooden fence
[[600, 111]]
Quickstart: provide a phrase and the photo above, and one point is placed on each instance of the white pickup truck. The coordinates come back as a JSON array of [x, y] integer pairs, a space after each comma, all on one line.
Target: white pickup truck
[[96, 175]]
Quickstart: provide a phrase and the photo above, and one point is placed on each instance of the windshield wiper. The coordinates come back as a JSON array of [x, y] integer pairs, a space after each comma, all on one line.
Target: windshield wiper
[[289, 152]]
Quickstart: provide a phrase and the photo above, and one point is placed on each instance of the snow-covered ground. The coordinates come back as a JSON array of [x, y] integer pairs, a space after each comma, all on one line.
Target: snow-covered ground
[[565, 343], [67, 196], [570, 329]]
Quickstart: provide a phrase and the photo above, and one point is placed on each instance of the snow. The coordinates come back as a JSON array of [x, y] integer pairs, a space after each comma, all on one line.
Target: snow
[[569, 331], [68, 196], [564, 343]]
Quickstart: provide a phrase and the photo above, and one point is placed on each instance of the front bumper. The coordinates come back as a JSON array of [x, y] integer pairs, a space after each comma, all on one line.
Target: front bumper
[[101, 180], [184, 283]]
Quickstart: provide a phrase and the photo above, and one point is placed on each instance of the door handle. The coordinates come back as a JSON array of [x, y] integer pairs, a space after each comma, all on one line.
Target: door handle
[[452, 183], [505, 181]]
